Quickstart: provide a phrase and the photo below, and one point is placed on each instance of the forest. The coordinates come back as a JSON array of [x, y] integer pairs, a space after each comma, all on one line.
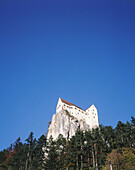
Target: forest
[[103, 148]]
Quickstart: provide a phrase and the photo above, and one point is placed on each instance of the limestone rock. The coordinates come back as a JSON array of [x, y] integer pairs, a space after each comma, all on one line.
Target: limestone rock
[[66, 124]]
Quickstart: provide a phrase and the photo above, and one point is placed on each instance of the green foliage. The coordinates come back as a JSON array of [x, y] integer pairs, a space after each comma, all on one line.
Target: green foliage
[[89, 150], [133, 121], [67, 113], [129, 158]]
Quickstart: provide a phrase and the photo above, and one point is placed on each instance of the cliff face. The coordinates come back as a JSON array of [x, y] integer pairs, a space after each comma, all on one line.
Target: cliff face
[[65, 124]]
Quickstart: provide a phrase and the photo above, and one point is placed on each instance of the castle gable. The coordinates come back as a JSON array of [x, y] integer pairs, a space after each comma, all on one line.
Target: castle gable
[[68, 103]]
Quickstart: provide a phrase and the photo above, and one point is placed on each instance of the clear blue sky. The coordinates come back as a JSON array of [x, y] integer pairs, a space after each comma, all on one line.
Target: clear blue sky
[[81, 51]]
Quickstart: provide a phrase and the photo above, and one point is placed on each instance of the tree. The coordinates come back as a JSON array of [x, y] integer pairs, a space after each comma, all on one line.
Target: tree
[[40, 153], [116, 159], [129, 158], [133, 121], [51, 154], [88, 149], [60, 150], [2, 156], [125, 135], [85, 150], [2, 159], [109, 136], [15, 161], [30, 149], [98, 148], [133, 131]]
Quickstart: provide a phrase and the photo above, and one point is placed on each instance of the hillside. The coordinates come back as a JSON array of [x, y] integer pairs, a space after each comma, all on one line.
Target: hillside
[[98, 149]]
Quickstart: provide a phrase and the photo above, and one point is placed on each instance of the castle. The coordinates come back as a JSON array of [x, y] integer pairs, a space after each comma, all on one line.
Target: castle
[[69, 118], [90, 115]]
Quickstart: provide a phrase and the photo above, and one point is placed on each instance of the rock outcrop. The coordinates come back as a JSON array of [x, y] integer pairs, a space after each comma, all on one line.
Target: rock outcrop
[[66, 124]]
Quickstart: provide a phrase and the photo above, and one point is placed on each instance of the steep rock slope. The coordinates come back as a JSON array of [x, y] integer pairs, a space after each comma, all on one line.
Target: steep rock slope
[[64, 123]]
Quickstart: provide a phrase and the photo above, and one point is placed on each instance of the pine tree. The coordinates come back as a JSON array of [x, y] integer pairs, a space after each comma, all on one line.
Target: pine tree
[[109, 136], [60, 149], [30, 147], [123, 132], [40, 153], [98, 148], [133, 131], [51, 154], [15, 160], [88, 149]]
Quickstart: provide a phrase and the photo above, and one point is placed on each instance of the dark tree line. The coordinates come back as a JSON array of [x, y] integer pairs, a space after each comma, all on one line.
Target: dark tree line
[[97, 149]]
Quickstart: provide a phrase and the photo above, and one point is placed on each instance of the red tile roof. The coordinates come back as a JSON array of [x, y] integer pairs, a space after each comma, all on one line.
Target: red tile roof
[[66, 102]]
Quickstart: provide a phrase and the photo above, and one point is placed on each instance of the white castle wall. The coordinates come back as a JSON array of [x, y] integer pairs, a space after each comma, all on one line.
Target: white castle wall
[[90, 115]]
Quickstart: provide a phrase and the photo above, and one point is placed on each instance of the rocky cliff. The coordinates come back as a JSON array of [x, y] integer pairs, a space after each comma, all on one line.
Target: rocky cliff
[[64, 123]]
